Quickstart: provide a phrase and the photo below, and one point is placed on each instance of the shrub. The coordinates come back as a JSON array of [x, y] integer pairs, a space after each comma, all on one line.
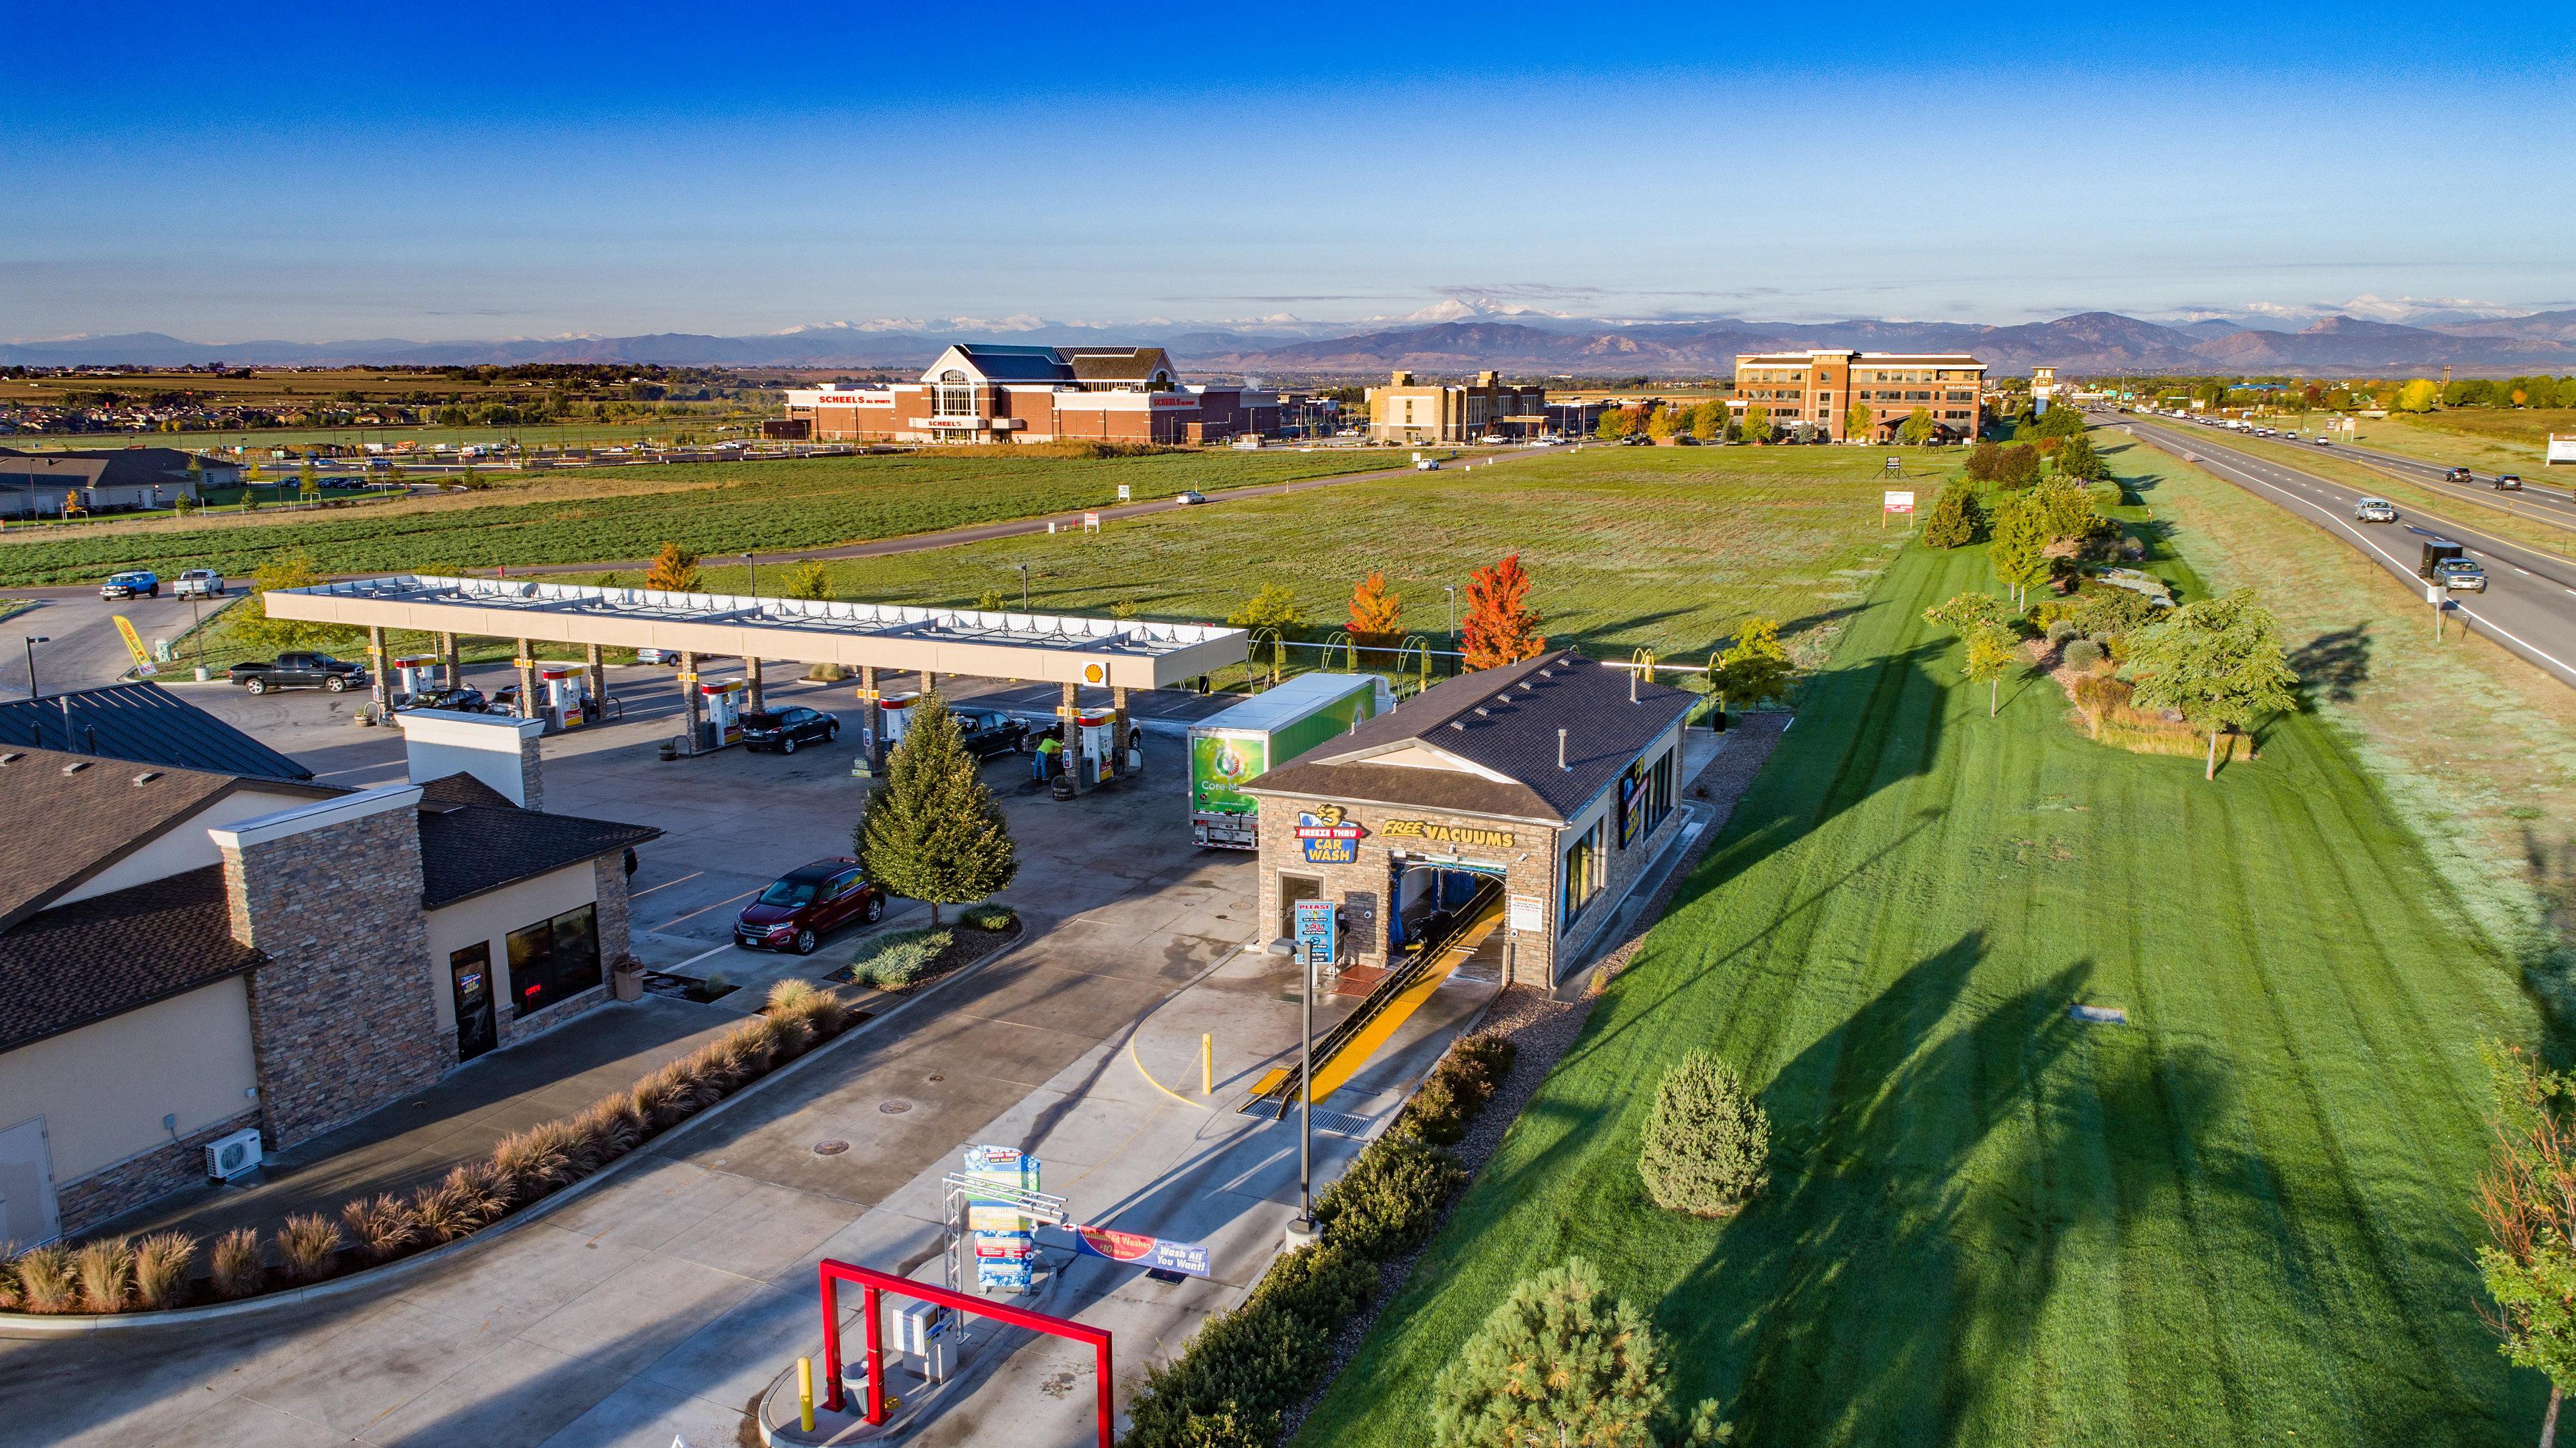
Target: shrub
[[660, 1098], [528, 1165], [46, 1280], [234, 1270], [898, 960], [1956, 519], [1322, 1286], [2063, 629], [106, 1272], [819, 1009], [2083, 655], [615, 1124], [477, 1191], [1706, 1140], [1984, 460], [988, 916], [8, 1277], [308, 1246], [1387, 1200], [1490, 1050], [1456, 1089], [161, 1268], [380, 1227], [1561, 1353], [1241, 1372]]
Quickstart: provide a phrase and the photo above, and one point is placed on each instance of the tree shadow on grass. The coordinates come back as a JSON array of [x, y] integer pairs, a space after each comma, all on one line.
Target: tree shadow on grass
[[2332, 665]]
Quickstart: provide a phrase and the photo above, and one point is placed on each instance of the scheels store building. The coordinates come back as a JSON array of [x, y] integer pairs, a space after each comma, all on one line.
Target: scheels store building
[[1553, 779]]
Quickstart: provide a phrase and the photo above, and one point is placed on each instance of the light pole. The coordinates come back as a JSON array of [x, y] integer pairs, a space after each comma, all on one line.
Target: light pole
[[1024, 588], [753, 588], [1302, 1231], [1452, 590]]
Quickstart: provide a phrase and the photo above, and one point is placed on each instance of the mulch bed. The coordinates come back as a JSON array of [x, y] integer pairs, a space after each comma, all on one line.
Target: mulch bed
[[966, 946], [1542, 1028]]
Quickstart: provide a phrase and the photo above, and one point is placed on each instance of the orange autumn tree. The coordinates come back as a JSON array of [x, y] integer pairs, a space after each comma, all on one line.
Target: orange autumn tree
[[674, 570], [1501, 627], [1377, 616]]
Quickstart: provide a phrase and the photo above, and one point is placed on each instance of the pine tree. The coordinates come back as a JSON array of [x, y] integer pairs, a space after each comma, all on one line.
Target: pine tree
[[2077, 459], [674, 570], [1500, 626], [1563, 1363], [1956, 519], [1377, 616], [932, 831], [1707, 1142], [811, 580]]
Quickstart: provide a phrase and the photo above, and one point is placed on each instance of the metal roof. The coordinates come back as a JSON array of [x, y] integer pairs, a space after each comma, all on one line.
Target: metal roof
[[1291, 701], [143, 723], [1056, 648]]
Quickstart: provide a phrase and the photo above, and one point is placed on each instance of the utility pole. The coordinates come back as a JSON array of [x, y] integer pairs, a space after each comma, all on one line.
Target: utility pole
[[753, 566], [1024, 588]]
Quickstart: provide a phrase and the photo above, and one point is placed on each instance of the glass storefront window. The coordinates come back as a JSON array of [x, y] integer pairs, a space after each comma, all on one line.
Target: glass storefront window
[[1585, 869], [554, 960]]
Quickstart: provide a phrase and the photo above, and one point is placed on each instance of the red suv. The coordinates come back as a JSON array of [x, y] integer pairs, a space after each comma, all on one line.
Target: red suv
[[794, 913]]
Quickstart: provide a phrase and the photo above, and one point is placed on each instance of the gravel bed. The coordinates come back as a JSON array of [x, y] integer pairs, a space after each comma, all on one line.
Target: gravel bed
[[1542, 1028]]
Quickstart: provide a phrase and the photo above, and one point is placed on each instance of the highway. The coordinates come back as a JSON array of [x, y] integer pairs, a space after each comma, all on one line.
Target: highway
[[2549, 503], [2530, 602]]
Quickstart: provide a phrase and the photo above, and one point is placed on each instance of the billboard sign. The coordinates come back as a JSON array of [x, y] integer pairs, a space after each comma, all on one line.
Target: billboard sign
[[1315, 931], [1155, 1254], [2562, 448], [1328, 837]]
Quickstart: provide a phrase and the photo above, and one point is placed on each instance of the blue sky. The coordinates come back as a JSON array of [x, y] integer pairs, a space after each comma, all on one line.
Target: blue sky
[[254, 172]]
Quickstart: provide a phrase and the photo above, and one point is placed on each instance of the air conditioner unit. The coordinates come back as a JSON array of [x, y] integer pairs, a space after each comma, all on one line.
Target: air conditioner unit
[[231, 1156]]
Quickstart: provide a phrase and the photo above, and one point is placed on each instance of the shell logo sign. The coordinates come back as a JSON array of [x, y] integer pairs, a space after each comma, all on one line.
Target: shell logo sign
[[1093, 673]]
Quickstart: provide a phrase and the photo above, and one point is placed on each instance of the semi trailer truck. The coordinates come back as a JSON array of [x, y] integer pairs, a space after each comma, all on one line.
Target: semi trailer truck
[[1262, 733]]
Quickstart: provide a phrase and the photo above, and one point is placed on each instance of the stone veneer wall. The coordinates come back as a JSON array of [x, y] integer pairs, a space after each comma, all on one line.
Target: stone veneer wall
[[616, 910], [341, 1017], [1360, 888], [142, 1177]]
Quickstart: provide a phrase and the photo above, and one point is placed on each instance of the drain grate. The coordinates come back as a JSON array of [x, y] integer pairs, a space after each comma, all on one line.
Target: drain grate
[[894, 1108], [829, 1148]]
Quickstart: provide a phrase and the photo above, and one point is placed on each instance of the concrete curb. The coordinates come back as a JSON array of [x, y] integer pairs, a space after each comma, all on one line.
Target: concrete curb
[[35, 1326]]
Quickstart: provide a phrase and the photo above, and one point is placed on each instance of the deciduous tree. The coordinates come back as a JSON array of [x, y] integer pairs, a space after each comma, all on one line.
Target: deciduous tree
[[2219, 661], [1757, 423], [293, 570], [1755, 668], [2419, 394], [2527, 1198], [674, 570], [1990, 654], [931, 830], [1859, 423], [1916, 429], [1274, 607], [2019, 544], [1377, 614], [1708, 420], [1500, 628]]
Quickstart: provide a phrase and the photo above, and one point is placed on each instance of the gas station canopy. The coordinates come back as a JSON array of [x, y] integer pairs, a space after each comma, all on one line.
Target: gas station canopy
[[1102, 652]]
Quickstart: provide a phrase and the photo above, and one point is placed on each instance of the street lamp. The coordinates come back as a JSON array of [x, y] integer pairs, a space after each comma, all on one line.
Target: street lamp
[[1024, 588], [754, 567], [1304, 1226], [1452, 590]]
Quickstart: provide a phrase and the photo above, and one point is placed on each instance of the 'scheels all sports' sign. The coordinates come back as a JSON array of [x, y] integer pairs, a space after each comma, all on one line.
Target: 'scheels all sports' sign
[[1329, 837], [1440, 834]]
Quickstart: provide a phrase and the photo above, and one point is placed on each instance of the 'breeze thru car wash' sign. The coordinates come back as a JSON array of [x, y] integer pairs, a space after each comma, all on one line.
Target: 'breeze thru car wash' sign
[[1328, 837]]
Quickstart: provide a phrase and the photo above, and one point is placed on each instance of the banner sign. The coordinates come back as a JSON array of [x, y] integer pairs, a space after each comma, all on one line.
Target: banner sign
[[1900, 500], [1156, 1254], [1440, 834], [1004, 1239], [1315, 931], [1329, 837], [134, 645]]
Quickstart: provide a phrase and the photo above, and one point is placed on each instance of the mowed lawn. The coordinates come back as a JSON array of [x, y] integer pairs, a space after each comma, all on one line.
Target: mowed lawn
[[1662, 548], [715, 508], [2242, 1217]]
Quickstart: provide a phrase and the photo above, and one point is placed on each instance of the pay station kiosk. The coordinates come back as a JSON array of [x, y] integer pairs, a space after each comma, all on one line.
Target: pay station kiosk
[[722, 724]]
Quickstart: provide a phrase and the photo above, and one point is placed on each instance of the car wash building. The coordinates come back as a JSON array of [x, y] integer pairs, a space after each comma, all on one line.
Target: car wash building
[[1540, 790]]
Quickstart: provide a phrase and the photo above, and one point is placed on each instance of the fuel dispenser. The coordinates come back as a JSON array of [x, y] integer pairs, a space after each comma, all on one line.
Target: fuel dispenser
[[1095, 746], [894, 719], [723, 705], [564, 690], [415, 675]]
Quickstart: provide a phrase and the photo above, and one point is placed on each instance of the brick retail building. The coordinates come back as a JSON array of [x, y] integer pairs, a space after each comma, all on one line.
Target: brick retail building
[[197, 940], [1814, 392], [989, 394], [1555, 776]]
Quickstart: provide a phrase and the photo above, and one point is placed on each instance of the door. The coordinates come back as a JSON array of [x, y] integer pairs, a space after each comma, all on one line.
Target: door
[[27, 1214], [478, 1027], [1293, 888], [847, 895]]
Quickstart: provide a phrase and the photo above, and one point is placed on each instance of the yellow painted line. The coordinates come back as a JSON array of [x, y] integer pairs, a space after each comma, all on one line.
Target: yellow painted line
[[1363, 1047], [1271, 1080], [1157, 1085]]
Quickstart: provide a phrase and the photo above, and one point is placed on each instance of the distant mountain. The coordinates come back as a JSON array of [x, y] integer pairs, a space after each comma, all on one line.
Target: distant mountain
[[1517, 341]]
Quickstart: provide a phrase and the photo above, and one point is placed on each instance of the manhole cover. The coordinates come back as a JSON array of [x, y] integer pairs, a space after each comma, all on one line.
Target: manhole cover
[[894, 1108], [830, 1148]]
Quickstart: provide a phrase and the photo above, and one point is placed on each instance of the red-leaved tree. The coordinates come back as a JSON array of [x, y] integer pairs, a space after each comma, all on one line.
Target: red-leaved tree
[[1501, 627]]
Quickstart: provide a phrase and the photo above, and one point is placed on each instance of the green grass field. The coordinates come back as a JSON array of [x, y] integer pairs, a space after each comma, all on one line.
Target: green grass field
[[716, 508], [2243, 1216], [712, 426], [1664, 548]]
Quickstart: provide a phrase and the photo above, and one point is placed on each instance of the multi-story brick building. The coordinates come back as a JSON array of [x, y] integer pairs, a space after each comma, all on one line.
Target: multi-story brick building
[[1813, 392], [197, 940], [1435, 412], [1555, 776], [981, 394]]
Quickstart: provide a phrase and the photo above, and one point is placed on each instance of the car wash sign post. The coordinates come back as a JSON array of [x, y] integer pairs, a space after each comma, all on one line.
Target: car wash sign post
[[1155, 1254], [1005, 1238], [1315, 932]]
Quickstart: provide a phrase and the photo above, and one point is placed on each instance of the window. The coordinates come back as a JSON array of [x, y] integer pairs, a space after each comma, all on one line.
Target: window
[[1585, 872], [956, 394], [554, 960]]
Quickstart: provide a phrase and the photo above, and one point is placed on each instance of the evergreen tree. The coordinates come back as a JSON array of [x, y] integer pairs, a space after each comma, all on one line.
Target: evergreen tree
[[1956, 519], [811, 581], [1755, 667], [1500, 627], [932, 831], [1563, 1364], [674, 570], [1707, 1142], [2077, 459], [2019, 550], [2527, 1198]]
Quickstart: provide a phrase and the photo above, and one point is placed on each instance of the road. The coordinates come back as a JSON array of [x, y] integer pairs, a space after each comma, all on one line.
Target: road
[[82, 648], [2530, 603], [2548, 504]]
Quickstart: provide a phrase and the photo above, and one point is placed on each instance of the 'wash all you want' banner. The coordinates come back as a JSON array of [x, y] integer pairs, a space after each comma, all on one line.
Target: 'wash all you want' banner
[[1005, 1240]]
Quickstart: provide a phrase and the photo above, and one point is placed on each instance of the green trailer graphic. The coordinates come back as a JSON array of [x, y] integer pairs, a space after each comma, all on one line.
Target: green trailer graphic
[[1262, 733]]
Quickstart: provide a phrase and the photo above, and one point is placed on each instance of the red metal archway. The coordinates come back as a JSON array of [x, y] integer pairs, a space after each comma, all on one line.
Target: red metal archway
[[874, 1284]]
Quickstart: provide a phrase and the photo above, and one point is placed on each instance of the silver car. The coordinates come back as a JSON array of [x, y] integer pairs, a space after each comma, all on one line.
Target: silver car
[[2374, 510]]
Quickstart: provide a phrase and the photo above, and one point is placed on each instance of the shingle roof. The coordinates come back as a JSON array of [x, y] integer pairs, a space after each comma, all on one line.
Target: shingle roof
[[146, 724], [114, 953], [1505, 721], [63, 816], [472, 839], [1125, 364]]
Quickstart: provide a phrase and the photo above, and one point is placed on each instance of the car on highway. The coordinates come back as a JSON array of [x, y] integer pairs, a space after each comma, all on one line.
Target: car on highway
[[1426, 465], [2374, 510], [2322, 440], [454, 701], [806, 903], [2507, 483], [139, 583], [784, 729], [1190, 497], [2459, 475], [2460, 575], [298, 671], [199, 583], [987, 732]]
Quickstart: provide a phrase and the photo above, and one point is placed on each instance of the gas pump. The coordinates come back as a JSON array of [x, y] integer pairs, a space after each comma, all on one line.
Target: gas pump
[[723, 705], [414, 676], [1095, 745], [894, 720], [564, 688]]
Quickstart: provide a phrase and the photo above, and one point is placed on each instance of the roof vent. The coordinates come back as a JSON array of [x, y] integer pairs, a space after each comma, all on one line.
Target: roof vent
[[76, 766], [147, 776], [1482, 712], [1458, 724], [1547, 673], [13, 756], [1527, 687]]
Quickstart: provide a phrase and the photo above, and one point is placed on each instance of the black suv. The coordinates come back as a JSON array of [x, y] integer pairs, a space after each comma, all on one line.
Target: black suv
[[2458, 475], [784, 729], [986, 733]]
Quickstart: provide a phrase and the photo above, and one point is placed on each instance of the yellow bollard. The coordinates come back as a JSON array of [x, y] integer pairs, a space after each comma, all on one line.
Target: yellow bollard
[[1207, 1063], [805, 1394]]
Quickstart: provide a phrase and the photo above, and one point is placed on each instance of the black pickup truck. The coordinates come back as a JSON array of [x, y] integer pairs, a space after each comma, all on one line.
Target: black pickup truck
[[299, 671]]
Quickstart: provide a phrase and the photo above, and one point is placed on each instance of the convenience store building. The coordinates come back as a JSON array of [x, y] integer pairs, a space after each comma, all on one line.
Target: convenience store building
[[1554, 778]]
